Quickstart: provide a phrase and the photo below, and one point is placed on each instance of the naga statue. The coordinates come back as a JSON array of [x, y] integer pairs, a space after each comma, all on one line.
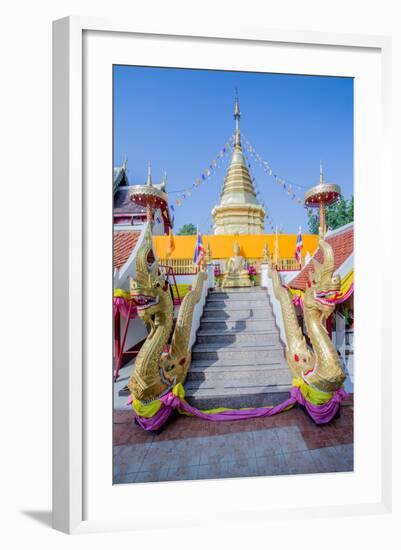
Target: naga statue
[[157, 371], [321, 366]]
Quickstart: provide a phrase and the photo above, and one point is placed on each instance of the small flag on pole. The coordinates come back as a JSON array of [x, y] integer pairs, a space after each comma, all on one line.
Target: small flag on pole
[[199, 250], [299, 246]]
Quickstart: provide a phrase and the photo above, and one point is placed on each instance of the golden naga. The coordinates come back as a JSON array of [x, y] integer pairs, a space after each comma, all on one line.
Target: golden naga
[[320, 367], [156, 371], [236, 274]]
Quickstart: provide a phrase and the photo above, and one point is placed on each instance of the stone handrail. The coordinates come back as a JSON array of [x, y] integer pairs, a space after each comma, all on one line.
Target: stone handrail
[[198, 311]]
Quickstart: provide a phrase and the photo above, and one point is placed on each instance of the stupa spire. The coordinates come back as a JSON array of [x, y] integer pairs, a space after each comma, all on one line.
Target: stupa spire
[[239, 210], [237, 115], [149, 179]]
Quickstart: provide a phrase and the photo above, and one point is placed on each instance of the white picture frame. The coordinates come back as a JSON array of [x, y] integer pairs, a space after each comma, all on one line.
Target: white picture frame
[[70, 227]]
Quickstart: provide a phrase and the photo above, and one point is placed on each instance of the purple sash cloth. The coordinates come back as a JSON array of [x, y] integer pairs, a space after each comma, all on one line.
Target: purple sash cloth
[[157, 420], [321, 414]]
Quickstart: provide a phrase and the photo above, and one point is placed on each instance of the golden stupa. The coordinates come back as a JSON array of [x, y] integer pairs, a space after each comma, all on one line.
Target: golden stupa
[[239, 211]]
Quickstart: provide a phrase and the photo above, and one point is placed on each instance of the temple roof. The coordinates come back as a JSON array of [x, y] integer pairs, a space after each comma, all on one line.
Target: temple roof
[[129, 199], [123, 203], [123, 244], [120, 177]]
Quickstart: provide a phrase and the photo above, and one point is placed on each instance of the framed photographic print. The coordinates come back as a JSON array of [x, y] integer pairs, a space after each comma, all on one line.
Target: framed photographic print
[[209, 189]]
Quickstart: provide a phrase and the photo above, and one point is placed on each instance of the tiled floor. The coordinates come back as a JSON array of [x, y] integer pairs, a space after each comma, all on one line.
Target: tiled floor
[[190, 448]]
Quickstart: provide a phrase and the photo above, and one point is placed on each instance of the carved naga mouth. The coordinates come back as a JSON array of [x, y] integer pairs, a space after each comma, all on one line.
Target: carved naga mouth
[[142, 301], [327, 297]]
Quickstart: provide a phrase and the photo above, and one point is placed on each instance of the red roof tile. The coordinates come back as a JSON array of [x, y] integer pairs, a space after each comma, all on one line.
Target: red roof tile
[[343, 246], [123, 244]]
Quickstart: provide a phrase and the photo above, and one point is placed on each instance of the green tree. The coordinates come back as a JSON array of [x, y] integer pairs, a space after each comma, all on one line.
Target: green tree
[[338, 214], [350, 210], [187, 229]]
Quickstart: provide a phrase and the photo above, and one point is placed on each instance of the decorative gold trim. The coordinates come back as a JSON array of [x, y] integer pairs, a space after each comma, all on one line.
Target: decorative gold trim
[[321, 189]]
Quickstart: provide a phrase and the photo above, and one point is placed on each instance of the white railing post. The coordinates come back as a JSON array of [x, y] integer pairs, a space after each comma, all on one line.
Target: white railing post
[[210, 275], [198, 312], [278, 314], [264, 275]]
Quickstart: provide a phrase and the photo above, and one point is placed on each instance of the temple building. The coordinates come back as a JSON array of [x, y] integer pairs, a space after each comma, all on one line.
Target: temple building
[[235, 325], [239, 211]]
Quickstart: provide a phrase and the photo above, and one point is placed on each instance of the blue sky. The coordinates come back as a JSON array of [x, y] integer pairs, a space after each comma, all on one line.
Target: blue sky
[[180, 119]]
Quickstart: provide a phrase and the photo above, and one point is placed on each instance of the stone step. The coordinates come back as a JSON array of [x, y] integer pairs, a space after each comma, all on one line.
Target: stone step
[[238, 337], [238, 359], [257, 355], [238, 304], [237, 314], [246, 325], [259, 396], [202, 365], [249, 290], [243, 375], [225, 297], [240, 379]]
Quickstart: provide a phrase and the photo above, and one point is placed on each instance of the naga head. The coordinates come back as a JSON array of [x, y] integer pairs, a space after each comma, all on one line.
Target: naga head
[[149, 289], [323, 287]]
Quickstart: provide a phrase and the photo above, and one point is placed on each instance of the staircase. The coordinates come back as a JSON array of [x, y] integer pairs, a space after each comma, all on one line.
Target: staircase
[[238, 358]]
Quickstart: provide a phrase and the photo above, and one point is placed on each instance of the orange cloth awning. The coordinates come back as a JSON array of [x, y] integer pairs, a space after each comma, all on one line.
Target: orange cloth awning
[[223, 245]]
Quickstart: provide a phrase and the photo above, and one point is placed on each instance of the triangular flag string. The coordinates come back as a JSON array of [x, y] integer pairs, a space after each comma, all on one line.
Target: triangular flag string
[[287, 186], [212, 168]]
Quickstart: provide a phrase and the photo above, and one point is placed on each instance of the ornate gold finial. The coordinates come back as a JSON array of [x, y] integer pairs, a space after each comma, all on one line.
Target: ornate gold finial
[[237, 116], [320, 196], [237, 112], [266, 253]]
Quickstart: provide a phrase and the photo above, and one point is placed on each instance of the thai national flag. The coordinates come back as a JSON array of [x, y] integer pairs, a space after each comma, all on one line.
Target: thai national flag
[[199, 250], [298, 246]]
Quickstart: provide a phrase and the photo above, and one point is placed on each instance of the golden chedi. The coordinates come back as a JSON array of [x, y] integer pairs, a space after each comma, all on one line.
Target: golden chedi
[[236, 274], [239, 211]]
